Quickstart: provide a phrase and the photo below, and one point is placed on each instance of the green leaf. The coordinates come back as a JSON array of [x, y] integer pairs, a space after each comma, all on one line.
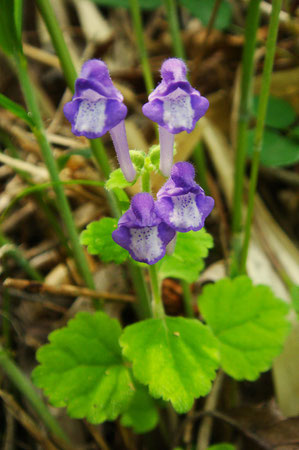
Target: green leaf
[[144, 4], [174, 356], [16, 109], [18, 15], [277, 150], [187, 260], [98, 238], [294, 133], [117, 180], [9, 35], [249, 322], [154, 156], [142, 414], [137, 158], [294, 291], [223, 446], [280, 113], [82, 369], [123, 199], [202, 9]]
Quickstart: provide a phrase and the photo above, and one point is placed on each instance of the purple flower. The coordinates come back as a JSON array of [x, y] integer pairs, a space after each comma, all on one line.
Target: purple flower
[[142, 232], [97, 107], [176, 106], [181, 202]]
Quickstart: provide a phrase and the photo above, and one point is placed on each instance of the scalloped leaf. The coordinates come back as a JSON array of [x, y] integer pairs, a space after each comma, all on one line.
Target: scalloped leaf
[[98, 238], [82, 368], [249, 323], [142, 414], [175, 357], [117, 180], [187, 260]]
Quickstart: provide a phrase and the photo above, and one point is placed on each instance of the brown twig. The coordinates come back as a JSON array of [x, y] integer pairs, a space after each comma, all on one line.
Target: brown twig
[[26, 421], [227, 419], [97, 436], [65, 290], [203, 437]]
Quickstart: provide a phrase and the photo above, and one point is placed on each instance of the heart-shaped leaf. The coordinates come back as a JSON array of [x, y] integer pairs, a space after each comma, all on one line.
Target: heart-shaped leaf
[[249, 323], [175, 357], [82, 368]]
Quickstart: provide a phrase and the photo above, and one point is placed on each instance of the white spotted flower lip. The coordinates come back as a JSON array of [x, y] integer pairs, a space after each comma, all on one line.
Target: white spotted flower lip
[[142, 232], [175, 105], [181, 202]]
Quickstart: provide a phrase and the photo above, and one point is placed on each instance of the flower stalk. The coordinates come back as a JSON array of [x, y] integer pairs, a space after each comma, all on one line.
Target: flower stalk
[[157, 304], [260, 124]]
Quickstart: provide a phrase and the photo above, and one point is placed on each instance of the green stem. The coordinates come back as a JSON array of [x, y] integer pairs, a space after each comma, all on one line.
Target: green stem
[[48, 157], [15, 253], [27, 389], [187, 298], [260, 124], [252, 22], [157, 304], [143, 306], [146, 181], [139, 33], [177, 44], [200, 163], [58, 41]]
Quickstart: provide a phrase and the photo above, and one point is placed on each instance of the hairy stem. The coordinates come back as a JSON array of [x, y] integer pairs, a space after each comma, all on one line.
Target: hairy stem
[[157, 304]]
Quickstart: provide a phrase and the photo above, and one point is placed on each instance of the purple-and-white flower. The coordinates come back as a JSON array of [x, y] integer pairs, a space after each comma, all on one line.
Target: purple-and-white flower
[[176, 106], [97, 107], [181, 202], [142, 232]]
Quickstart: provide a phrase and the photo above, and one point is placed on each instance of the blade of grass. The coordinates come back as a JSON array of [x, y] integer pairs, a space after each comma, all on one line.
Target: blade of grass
[[26, 388], [252, 21], [260, 124]]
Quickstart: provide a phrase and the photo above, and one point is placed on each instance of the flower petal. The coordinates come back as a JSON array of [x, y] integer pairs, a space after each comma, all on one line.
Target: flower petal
[[174, 104], [142, 232], [182, 203]]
